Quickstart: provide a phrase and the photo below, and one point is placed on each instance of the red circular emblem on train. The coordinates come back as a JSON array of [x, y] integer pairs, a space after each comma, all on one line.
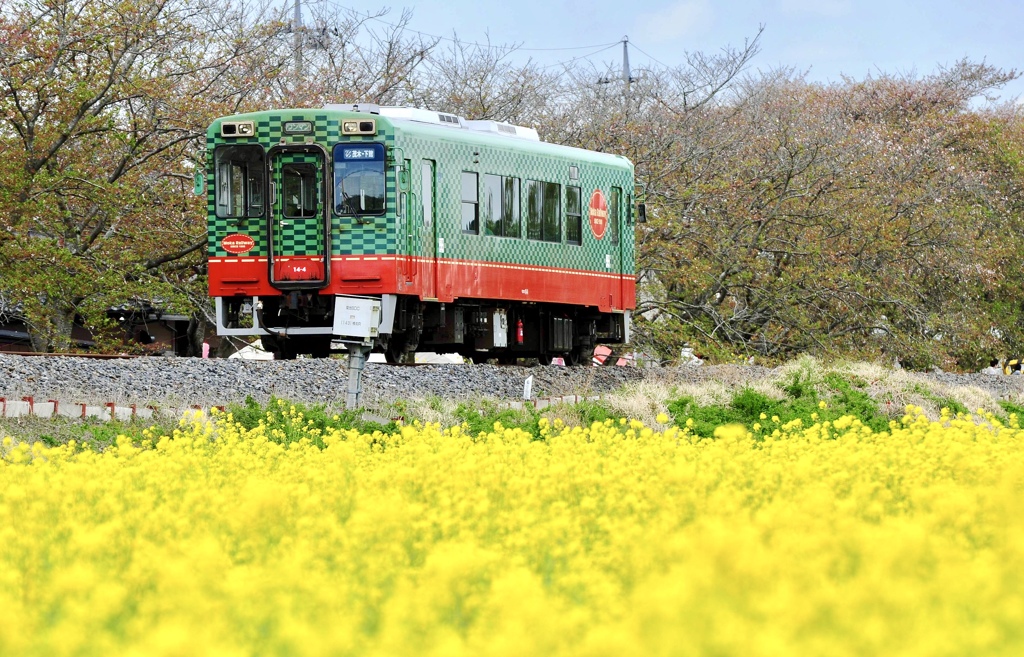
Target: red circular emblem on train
[[238, 243], [598, 213]]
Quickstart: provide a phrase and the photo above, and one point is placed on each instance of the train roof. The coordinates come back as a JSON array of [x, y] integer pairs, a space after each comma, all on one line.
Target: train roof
[[445, 125], [402, 114]]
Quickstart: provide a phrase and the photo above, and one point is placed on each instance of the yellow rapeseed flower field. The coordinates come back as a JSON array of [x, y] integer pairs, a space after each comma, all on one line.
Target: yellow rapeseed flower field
[[614, 539]]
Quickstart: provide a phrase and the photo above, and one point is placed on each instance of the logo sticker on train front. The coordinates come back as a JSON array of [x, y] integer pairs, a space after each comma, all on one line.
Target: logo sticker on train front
[[237, 243], [598, 213]]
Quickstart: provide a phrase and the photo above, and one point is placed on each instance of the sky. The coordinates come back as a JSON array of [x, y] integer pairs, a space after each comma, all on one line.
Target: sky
[[824, 38]]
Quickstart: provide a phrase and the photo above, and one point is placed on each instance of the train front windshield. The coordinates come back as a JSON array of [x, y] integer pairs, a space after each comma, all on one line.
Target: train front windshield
[[359, 179]]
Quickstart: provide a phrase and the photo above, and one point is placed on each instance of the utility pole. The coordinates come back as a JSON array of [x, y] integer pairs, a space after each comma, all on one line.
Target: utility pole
[[627, 77], [297, 29]]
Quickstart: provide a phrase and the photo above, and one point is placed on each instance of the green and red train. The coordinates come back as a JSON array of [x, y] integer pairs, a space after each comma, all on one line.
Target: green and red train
[[407, 230]]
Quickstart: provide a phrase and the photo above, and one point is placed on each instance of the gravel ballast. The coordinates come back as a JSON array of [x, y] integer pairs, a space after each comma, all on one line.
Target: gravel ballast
[[208, 382]]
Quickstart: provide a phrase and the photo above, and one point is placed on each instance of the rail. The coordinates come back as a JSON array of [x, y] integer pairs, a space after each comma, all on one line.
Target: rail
[[68, 355]]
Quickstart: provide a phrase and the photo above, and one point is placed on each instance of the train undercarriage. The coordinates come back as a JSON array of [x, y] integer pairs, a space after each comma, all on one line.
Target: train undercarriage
[[303, 323]]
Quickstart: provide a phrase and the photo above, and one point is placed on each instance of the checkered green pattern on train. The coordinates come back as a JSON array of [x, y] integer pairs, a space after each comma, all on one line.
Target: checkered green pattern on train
[[298, 236], [270, 128], [377, 235], [253, 227], [455, 151], [217, 228], [352, 238], [526, 162], [220, 227], [349, 237]]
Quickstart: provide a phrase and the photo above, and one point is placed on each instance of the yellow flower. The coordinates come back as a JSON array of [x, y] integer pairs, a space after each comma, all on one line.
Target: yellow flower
[[450, 541], [730, 432]]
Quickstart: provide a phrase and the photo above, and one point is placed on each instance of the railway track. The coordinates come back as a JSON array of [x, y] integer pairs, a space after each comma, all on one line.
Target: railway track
[[130, 356], [71, 355]]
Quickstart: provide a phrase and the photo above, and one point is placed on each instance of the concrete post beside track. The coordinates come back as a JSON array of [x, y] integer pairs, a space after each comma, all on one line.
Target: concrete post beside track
[[357, 354]]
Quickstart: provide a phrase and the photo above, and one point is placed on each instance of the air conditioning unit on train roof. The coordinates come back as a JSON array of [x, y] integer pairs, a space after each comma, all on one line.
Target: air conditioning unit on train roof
[[454, 121], [422, 116], [505, 129], [366, 108]]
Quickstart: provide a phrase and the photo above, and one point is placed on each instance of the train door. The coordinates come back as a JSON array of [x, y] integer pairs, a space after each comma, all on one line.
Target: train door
[[297, 227], [410, 228], [615, 235], [627, 282], [428, 231]]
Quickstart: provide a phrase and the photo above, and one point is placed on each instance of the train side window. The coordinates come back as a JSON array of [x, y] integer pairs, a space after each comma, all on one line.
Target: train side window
[[614, 214], [470, 203], [511, 217], [427, 192], [500, 208], [552, 213], [239, 181], [573, 215], [543, 211]]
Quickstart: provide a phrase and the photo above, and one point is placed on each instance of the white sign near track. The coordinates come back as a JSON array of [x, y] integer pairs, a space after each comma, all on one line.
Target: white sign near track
[[356, 317]]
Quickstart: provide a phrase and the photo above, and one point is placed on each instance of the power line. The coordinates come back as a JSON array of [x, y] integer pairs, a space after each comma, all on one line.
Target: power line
[[576, 59], [355, 12], [650, 56], [600, 47]]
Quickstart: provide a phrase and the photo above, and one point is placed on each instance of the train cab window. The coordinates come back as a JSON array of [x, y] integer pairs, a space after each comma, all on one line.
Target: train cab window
[[359, 178], [500, 208], [614, 214], [470, 203], [299, 190], [573, 215], [238, 183], [543, 211]]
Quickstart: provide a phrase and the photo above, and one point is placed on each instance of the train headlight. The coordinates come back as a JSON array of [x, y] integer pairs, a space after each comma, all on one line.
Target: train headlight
[[359, 127], [237, 129]]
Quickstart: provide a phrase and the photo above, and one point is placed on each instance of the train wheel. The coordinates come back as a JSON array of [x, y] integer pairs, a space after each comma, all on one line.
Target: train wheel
[[286, 351], [319, 347], [269, 343], [576, 357], [276, 346], [395, 352]]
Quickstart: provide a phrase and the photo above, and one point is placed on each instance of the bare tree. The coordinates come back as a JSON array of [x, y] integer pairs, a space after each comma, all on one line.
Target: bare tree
[[480, 81]]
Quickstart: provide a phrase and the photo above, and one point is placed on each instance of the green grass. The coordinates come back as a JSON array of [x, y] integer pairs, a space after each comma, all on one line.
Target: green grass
[[802, 402], [482, 417], [807, 391], [92, 432], [294, 419], [947, 402], [1013, 409]]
